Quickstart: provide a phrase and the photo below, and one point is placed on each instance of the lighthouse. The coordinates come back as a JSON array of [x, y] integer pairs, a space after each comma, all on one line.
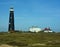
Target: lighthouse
[[11, 27]]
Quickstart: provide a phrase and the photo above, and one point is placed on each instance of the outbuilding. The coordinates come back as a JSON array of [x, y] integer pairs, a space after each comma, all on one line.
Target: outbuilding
[[35, 29]]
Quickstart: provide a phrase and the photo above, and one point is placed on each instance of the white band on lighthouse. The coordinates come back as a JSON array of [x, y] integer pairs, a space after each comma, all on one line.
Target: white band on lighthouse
[[11, 9]]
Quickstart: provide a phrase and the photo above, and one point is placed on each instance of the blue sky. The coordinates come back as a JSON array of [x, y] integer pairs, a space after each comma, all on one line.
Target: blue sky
[[27, 13]]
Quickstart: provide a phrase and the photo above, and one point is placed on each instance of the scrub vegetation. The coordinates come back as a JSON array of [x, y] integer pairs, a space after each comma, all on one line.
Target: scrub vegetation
[[29, 39]]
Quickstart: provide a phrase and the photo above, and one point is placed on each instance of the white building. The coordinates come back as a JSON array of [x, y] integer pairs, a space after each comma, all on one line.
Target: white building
[[47, 30], [34, 29]]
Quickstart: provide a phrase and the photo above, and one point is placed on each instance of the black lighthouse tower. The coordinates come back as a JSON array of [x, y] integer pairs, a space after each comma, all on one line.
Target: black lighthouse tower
[[11, 20]]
